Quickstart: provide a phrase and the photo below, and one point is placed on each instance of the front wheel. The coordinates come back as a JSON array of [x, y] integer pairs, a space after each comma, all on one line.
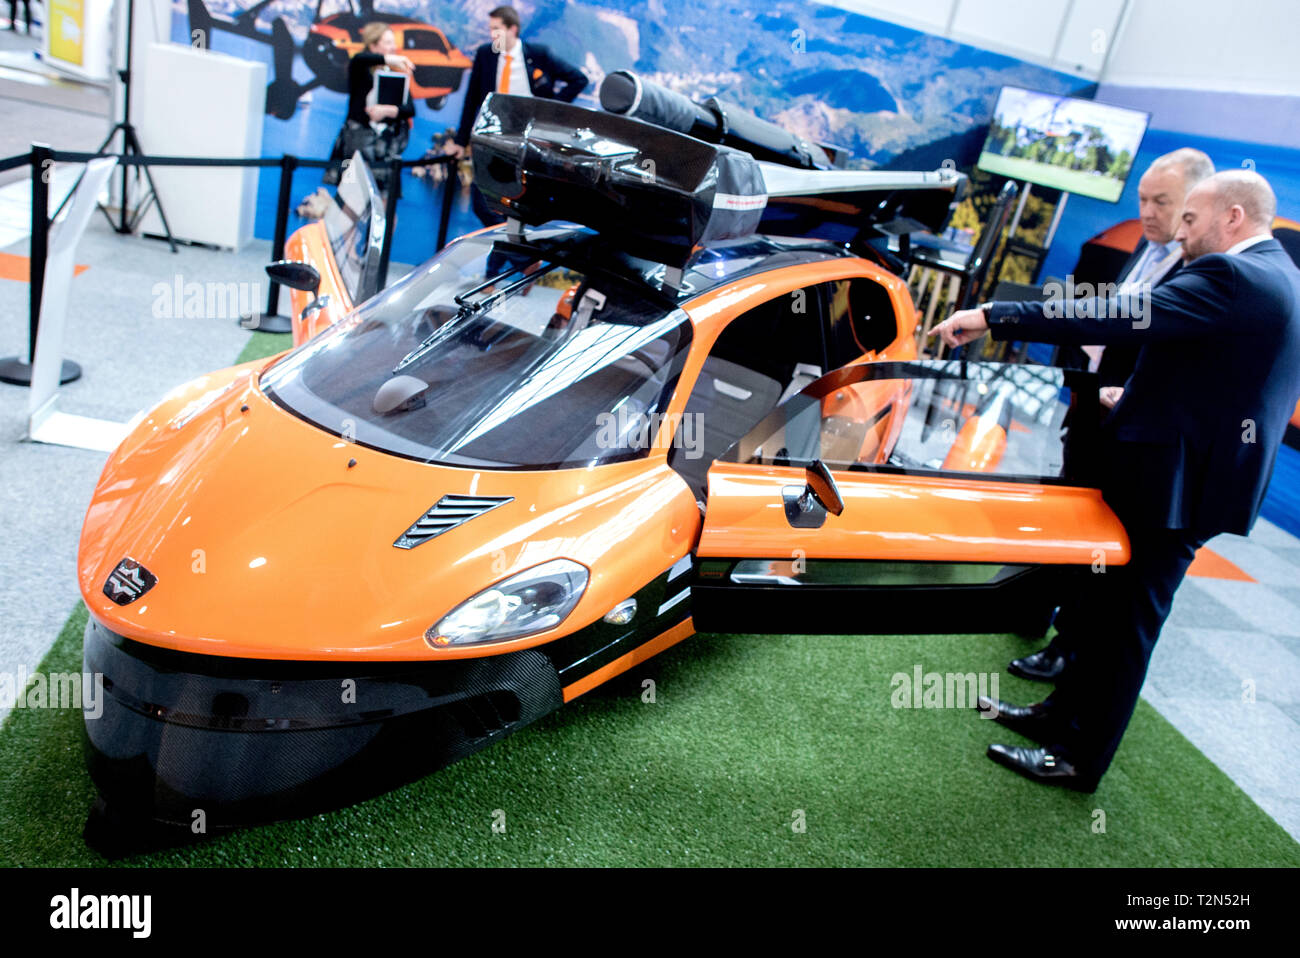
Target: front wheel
[[436, 102]]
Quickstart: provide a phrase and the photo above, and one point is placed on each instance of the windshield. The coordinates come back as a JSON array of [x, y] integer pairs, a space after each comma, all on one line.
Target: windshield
[[493, 356]]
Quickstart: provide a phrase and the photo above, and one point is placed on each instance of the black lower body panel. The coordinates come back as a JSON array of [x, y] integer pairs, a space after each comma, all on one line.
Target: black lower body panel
[[1022, 603], [187, 738]]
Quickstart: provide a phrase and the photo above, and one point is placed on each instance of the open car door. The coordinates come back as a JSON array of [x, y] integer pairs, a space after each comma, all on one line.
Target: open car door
[[908, 497]]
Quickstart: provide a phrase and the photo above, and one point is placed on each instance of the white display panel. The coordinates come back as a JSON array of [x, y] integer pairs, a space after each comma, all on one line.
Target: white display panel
[[45, 422], [200, 103]]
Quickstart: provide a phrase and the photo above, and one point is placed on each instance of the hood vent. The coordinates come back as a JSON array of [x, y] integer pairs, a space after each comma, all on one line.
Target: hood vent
[[447, 513]]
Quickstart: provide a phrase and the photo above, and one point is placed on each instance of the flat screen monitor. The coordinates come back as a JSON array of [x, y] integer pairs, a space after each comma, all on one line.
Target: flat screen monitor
[[1063, 142]]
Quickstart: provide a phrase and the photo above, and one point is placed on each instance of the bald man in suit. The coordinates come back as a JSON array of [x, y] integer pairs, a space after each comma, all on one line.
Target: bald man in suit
[[1187, 452], [1162, 191]]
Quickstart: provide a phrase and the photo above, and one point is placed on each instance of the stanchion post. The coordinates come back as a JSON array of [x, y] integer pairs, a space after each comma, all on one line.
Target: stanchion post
[[42, 170], [390, 217], [270, 321], [444, 215], [288, 163], [12, 368]]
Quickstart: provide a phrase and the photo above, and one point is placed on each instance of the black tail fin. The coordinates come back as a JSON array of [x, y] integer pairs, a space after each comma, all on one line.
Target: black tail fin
[[200, 24]]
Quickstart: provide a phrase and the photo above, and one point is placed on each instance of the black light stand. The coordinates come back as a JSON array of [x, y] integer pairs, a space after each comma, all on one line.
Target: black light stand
[[131, 147]]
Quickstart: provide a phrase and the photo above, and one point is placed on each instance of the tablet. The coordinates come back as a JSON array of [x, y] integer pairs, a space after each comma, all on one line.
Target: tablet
[[390, 87]]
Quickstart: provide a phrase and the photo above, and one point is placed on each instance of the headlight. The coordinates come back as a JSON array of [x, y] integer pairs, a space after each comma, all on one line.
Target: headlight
[[532, 601]]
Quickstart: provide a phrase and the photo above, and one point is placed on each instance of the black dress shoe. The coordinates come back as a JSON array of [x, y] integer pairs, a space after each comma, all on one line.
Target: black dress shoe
[[1042, 666], [1042, 765], [1031, 721]]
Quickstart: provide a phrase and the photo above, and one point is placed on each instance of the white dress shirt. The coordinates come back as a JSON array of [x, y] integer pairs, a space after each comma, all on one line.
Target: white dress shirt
[[519, 85], [1247, 243], [1156, 260]]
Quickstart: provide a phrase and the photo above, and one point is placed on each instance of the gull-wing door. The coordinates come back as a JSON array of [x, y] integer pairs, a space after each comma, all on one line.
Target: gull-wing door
[[908, 497]]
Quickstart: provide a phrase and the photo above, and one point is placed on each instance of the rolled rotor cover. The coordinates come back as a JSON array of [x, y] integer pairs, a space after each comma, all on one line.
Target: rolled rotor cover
[[766, 140], [625, 93], [715, 120]]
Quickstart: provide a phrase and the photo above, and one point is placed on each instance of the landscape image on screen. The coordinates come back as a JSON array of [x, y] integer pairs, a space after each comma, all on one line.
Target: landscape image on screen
[[1079, 146]]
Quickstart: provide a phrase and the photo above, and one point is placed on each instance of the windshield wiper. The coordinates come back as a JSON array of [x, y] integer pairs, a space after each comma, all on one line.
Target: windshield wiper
[[466, 309]]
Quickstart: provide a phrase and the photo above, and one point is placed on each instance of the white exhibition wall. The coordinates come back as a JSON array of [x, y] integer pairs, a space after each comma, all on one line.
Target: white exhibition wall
[[1245, 46]]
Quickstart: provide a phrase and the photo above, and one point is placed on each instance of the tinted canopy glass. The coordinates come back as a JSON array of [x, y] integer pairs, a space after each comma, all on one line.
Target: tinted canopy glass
[[493, 355]]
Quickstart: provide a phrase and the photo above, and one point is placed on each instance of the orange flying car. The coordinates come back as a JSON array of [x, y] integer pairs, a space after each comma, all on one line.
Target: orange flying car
[[546, 455]]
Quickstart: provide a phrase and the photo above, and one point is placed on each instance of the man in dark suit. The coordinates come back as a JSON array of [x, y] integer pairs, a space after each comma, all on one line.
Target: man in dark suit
[[508, 65], [1188, 451], [1162, 191]]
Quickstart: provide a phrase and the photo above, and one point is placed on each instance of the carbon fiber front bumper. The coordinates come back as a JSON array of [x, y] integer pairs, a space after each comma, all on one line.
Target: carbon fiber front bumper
[[185, 738]]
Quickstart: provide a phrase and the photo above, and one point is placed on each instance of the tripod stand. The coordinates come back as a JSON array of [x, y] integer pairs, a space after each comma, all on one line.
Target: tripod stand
[[131, 147]]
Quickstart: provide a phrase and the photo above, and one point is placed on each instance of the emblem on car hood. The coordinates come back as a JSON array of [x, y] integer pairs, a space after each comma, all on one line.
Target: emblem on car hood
[[128, 582], [447, 513]]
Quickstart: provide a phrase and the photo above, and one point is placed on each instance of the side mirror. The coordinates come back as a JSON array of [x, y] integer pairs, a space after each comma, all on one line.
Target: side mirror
[[821, 484], [806, 506], [294, 274]]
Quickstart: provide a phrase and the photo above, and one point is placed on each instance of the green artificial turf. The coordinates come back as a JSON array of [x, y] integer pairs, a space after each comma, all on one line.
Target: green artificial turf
[[262, 345], [744, 731]]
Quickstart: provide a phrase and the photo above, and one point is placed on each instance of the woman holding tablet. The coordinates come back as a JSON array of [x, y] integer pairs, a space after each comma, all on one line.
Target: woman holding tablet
[[378, 122]]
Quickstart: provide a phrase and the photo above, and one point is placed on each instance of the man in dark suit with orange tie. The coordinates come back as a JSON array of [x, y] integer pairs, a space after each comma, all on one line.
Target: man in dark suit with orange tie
[[508, 65], [1187, 452], [1162, 191]]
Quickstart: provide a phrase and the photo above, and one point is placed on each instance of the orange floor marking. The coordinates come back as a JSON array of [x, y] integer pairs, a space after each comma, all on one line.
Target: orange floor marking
[[15, 267], [1208, 564]]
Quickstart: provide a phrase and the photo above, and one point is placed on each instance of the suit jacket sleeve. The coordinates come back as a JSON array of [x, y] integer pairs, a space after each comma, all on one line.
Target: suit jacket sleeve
[[1197, 302], [560, 72], [1119, 361], [482, 79]]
